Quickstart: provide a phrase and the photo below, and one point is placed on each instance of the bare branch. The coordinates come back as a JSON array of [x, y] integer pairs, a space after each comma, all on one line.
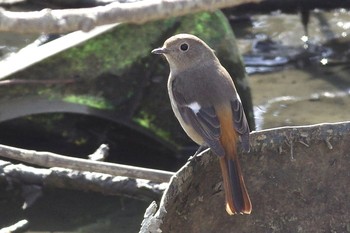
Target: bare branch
[[47, 159], [100, 154], [20, 226], [26, 81], [83, 181], [85, 19]]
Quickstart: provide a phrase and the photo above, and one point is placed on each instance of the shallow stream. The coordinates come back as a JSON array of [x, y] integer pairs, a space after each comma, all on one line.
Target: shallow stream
[[298, 80]]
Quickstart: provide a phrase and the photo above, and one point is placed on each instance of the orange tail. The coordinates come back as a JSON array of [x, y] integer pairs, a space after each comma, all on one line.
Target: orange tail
[[237, 198]]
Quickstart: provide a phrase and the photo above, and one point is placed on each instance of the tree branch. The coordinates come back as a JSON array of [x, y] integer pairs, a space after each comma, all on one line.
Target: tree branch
[[20, 226], [47, 159], [79, 180], [85, 19]]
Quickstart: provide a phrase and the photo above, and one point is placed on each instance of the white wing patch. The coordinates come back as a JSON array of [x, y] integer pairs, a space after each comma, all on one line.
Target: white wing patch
[[195, 107]]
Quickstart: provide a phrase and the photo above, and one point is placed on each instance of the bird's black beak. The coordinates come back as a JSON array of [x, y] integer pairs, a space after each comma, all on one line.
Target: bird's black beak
[[160, 51]]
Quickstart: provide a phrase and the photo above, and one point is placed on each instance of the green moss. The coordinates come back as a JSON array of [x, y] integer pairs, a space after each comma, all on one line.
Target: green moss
[[116, 50], [91, 101], [47, 122], [147, 121]]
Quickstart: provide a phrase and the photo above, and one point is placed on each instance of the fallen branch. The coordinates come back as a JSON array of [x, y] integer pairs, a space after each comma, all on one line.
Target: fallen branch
[[47, 159], [78, 180], [26, 81], [85, 19], [20, 226]]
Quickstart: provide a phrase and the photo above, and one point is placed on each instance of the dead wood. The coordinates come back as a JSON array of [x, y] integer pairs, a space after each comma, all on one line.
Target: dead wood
[[20, 226], [23, 175], [297, 177], [48, 159], [85, 19]]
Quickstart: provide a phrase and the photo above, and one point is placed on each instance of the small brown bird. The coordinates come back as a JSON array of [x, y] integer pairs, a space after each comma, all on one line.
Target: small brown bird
[[205, 101]]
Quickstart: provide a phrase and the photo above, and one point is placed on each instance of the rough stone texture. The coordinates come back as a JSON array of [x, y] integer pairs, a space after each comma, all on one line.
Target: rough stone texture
[[297, 178]]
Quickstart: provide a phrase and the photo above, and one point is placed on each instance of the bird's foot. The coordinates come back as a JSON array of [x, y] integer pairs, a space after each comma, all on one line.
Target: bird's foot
[[199, 150]]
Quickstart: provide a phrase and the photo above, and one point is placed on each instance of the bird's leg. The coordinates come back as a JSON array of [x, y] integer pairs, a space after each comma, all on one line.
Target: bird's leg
[[200, 149]]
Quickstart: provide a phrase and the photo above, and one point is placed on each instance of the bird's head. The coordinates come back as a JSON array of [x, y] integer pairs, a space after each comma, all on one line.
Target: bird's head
[[185, 50]]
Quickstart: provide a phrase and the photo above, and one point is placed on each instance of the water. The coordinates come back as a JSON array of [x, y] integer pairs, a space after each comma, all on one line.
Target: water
[[298, 79]]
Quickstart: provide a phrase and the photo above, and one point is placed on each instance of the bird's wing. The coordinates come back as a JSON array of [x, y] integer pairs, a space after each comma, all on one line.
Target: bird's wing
[[203, 119], [240, 123]]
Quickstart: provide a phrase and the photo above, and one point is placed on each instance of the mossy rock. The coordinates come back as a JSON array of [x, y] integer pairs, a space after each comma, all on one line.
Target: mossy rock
[[115, 73]]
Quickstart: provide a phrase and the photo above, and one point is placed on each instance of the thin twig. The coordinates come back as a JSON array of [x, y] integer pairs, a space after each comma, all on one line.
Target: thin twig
[[35, 81]]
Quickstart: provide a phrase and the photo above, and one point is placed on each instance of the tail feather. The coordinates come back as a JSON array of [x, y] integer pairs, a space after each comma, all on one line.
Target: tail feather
[[237, 199]]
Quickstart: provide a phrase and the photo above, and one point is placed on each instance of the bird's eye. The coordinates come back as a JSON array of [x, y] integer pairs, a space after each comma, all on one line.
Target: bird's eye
[[184, 47]]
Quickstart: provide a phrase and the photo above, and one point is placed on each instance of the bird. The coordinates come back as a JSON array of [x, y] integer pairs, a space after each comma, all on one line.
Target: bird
[[205, 102]]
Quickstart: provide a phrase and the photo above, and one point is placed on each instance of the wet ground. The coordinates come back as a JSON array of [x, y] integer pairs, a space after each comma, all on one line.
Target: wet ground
[[294, 81]]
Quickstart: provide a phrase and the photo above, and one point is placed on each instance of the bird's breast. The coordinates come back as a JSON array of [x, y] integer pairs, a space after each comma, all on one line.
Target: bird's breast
[[187, 128]]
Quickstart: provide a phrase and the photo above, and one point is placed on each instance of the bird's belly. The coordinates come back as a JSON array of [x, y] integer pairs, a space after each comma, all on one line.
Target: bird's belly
[[187, 128]]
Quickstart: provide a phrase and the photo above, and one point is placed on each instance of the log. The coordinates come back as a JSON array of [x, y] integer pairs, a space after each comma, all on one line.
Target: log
[[85, 19], [19, 175], [297, 177], [48, 159]]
